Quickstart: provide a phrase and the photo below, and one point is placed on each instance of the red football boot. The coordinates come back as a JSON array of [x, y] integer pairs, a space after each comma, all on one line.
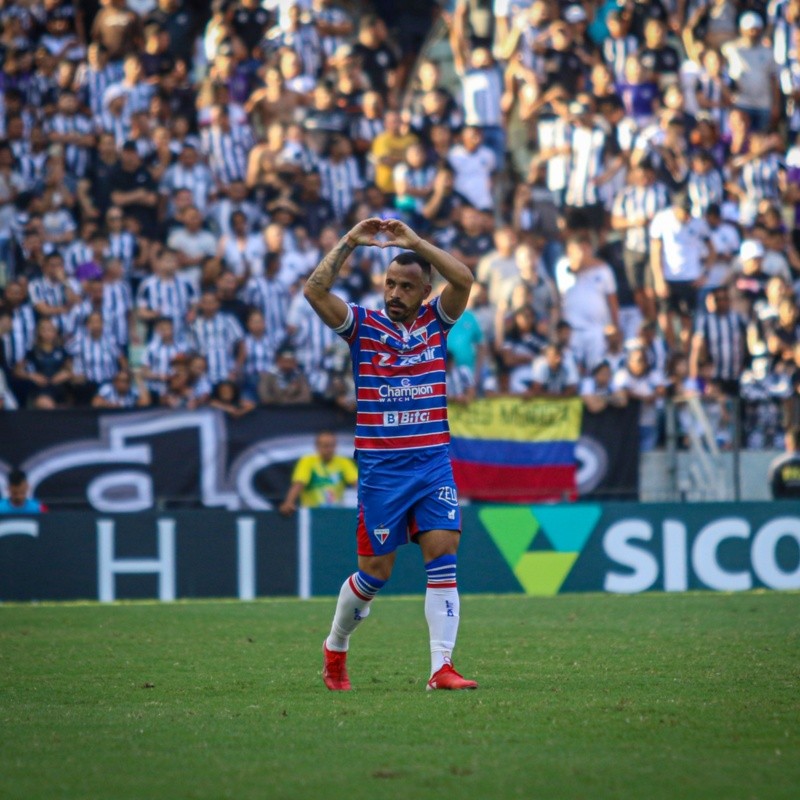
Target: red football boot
[[448, 678], [334, 669]]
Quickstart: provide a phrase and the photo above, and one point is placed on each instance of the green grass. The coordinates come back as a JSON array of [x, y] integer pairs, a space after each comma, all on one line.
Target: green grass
[[652, 696]]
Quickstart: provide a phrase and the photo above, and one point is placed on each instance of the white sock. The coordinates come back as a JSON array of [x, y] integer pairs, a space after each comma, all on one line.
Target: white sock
[[352, 607], [442, 608]]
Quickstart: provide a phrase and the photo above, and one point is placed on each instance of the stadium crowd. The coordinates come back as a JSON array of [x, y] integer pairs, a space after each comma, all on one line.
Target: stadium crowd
[[621, 176]]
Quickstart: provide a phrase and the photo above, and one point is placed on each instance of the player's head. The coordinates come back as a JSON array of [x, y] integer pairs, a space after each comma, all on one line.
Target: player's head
[[407, 284], [326, 445], [17, 487]]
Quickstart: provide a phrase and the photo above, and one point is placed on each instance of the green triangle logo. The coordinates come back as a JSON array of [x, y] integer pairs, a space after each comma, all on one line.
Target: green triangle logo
[[568, 527], [512, 528], [560, 533], [543, 573]]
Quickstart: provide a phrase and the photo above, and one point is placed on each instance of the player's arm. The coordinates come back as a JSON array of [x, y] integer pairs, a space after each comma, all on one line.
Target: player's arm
[[331, 309], [289, 505], [458, 275]]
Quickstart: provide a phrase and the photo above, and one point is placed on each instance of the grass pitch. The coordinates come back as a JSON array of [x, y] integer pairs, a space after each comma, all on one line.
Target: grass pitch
[[652, 696]]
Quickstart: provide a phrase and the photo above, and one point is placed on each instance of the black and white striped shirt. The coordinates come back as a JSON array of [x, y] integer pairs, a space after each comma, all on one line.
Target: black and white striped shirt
[[227, 152], [271, 298], [305, 41], [198, 180], [640, 201], [96, 359], [482, 91], [124, 247], [759, 177], [259, 355], [366, 129], [110, 394], [93, 84], [705, 189], [169, 297], [118, 126], [589, 147], [158, 357], [340, 182], [76, 157], [616, 51], [19, 340], [711, 90], [117, 304], [42, 290], [32, 167], [216, 338], [725, 338], [312, 340], [137, 97]]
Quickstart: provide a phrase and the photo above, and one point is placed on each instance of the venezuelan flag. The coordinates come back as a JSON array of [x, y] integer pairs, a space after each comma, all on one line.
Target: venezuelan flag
[[506, 449]]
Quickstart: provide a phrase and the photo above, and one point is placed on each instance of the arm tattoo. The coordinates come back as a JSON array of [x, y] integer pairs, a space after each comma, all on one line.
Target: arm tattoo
[[327, 269]]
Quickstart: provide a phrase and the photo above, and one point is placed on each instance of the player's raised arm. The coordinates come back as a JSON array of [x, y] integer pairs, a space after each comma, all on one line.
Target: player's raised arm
[[458, 275], [331, 309]]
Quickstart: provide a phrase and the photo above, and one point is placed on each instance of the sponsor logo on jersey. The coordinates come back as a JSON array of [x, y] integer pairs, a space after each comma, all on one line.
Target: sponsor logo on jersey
[[394, 360], [405, 417], [405, 391]]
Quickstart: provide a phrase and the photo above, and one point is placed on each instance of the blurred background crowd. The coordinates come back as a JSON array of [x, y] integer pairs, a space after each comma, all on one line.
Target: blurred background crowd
[[623, 178]]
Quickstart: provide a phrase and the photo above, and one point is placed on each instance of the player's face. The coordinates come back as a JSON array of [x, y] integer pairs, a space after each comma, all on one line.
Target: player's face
[[326, 446], [18, 493], [403, 291]]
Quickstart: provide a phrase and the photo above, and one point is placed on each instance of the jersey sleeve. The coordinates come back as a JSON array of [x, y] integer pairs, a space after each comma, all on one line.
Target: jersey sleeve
[[349, 328], [302, 471], [444, 319]]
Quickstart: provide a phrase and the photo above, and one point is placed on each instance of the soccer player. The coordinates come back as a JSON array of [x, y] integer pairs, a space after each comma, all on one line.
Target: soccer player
[[406, 490]]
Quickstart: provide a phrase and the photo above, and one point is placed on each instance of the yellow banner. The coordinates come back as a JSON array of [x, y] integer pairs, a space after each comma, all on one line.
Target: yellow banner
[[517, 420]]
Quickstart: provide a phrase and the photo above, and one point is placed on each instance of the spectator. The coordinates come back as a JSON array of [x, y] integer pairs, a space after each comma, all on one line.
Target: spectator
[[720, 337], [473, 166], [192, 244], [755, 74], [320, 479], [640, 382], [96, 358], [122, 392], [596, 390], [217, 337], [589, 291], [19, 500], [227, 397], [166, 294], [285, 383], [47, 367], [552, 375], [681, 252], [158, 357]]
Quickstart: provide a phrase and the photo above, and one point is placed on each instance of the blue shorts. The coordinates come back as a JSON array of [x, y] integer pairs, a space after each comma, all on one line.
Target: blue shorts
[[402, 494]]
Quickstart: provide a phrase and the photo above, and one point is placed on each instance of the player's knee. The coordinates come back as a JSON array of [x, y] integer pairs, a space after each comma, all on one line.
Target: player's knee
[[379, 567]]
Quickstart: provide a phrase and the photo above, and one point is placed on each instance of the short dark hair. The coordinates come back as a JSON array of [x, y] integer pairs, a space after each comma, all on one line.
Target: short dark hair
[[17, 477], [408, 257]]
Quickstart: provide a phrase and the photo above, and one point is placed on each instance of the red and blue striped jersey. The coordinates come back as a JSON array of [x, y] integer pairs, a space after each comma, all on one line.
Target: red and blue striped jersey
[[399, 375]]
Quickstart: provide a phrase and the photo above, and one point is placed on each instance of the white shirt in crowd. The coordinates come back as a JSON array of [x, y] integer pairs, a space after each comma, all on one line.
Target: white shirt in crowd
[[640, 386], [555, 382], [585, 295], [683, 244], [473, 174]]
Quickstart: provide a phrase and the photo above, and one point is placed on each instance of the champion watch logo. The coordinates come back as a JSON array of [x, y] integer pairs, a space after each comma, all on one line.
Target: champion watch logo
[[381, 534], [540, 543]]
